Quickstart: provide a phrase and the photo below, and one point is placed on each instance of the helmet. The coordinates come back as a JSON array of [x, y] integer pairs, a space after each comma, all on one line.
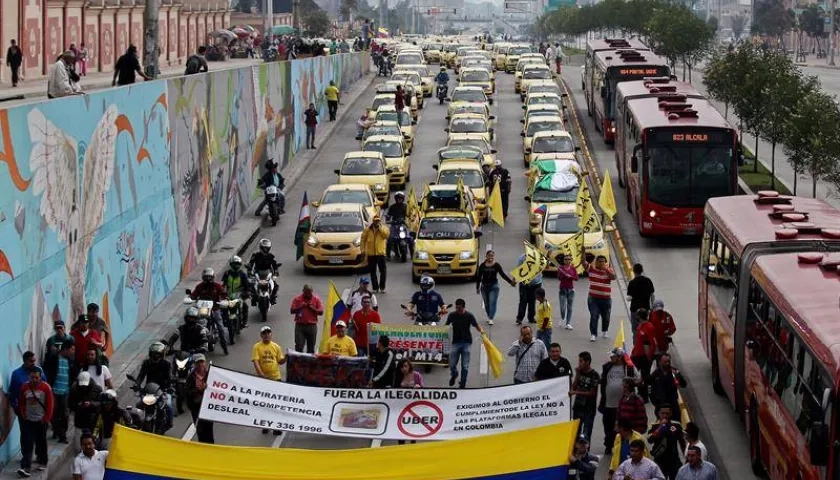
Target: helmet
[[108, 396], [427, 283], [156, 350], [191, 314], [399, 195], [442, 69], [265, 245], [235, 262], [208, 274]]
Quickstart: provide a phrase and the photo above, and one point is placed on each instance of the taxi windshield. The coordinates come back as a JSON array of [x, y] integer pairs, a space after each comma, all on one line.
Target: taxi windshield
[[480, 144], [543, 89], [468, 126], [383, 130], [445, 228], [544, 100], [533, 73], [554, 196], [404, 118], [407, 77], [553, 145], [347, 196], [410, 59], [380, 101], [475, 76], [467, 153], [388, 149], [518, 50], [434, 46], [362, 166], [337, 222], [471, 178], [479, 109], [534, 127], [469, 96], [562, 223]]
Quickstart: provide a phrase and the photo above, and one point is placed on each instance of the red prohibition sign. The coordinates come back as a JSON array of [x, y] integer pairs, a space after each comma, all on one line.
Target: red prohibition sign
[[423, 418]]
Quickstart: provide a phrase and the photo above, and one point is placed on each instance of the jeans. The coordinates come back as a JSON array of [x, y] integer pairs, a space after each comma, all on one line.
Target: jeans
[[305, 334], [587, 419], [377, 262], [216, 318], [332, 105], [460, 351], [609, 416], [599, 307], [33, 436], [545, 337], [566, 297], [60, 415], [643, 363], [490, 296], [527, 301], [15, 75], [310, 136]]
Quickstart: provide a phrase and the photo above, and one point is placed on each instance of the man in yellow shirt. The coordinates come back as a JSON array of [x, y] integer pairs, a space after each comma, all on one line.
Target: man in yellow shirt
[[544, 324], [333, 97], [340, 345], [267, 357]]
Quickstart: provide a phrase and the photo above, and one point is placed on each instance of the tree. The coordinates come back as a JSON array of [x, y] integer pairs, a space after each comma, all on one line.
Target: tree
[[737, 23], [713, 22], [347, 8], [751, 79], [317, 23], [772, 19], [677, 33], [720, 79], [812, 23], [811, 142]]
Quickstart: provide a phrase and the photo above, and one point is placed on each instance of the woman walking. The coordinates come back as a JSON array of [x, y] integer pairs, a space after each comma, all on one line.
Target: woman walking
[[487, 283], [407, 377], [567, 274]]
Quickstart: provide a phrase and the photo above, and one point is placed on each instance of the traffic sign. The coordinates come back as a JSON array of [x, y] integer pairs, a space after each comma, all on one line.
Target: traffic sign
[[518, 7], [420, 419]]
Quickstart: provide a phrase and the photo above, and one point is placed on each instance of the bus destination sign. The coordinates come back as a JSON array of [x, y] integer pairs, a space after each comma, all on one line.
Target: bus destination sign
[[708, 136], [638, 71]]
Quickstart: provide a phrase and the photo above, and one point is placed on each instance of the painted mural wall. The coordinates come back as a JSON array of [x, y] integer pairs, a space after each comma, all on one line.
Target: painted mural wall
[[115, 196]]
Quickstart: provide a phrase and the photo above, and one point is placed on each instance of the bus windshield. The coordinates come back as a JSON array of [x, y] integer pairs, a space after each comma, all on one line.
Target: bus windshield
[[682, 175]]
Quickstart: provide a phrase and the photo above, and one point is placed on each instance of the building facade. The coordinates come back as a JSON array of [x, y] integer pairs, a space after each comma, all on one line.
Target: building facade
[[45, 28]]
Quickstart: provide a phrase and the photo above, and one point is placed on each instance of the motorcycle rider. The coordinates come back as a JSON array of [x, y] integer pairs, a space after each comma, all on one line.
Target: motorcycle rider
[[272, 177], [442, 79], [194, 337], [209, 289], [427, 303], [235, 281], [396, 214], [156, 369], [110, 414], [263, 260]]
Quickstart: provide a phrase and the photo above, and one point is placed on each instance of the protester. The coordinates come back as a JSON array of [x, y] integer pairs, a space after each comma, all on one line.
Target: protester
[[333, 96], [14, 59], [544, 323], [613, 374], [374, 242], [554, 366], [19, 377], [197, 63], [567, 274], [585, 390], [84, 404], [487, 283], [528, 353], [640, 290], [665, 383], [306, 307], [399, 99], [61, 368], [127, 65], [100, 374], [584, 463], [84, 337], [600, 296], [500, 178], [310, 119], [692, 438], [621, 447], [461, 320], [528, 296], [384, 364], [663, 326], [363, 123], [668, 441], [340, 345], [110, 414], [59, 83], [354, 301], [631, 407], [407, 377], [696, 468], [56, 342], [267, 356], [644, 349], [89, 464], [36, 408], [360, 322], [196, 386], [97, 324], [558, 57], [638, 467], [82, 59]]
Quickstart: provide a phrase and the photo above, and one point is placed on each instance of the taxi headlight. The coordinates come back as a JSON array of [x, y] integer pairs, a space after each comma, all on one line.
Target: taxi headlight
[[598, 245], [421, 255], [312, 241], [379, 186], [466, 255], [357, 242]]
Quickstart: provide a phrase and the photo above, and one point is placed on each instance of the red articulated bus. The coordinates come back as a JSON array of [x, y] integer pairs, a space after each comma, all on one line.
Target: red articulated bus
[[602, 45], [769, 321], [611, 68], [674, 151]]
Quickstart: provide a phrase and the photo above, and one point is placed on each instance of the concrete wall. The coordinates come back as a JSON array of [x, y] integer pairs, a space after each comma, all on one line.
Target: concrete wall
[[116, 196]]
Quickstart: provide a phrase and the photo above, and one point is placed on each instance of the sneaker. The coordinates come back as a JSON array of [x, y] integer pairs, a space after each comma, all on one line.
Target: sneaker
[[24, 473], [532, 321], [490, 322], [569, 326], [452, 380], [381, 290], [604, 335], [41, 468], [592, 338], [519, 322]]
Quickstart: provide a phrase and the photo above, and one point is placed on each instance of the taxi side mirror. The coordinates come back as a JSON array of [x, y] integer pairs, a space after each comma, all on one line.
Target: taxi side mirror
[[522, 121], [315, 204], [522, 134], [577, 149], [478, 234], [435, 167], [527, 150], [527, 198], [446, 129], [524, 107], [337, 171], [432, 183], [493, 150], [492, 117], [491, 101], [564, 94]]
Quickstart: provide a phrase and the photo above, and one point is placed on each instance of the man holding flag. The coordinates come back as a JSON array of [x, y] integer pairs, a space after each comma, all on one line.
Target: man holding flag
[[528, 273], [306, 307], [337, 313]]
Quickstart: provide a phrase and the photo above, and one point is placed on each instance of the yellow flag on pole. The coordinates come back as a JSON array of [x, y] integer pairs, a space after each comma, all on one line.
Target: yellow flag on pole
[[412, 209], [497, 213], [495, 359], [588, 217], [582, 196], [619, 339], [533, 264], [607, 199], [573, 247]]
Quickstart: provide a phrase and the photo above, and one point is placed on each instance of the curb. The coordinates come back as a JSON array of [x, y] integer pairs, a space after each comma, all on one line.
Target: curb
[[151, 329]]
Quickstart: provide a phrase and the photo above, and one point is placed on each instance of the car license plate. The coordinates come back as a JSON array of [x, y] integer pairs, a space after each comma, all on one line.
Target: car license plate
[[336, 261], [444, 270]]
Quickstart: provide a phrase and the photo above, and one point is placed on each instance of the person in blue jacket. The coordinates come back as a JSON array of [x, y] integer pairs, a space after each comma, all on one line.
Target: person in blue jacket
[[20, 376]]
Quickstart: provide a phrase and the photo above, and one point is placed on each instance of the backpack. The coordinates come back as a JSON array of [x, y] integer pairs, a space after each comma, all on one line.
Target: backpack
[[193, 65]]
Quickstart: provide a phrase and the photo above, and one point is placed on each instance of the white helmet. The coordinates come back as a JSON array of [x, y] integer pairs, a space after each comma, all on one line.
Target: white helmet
[[427, 283], [265, 245], [208, 274]]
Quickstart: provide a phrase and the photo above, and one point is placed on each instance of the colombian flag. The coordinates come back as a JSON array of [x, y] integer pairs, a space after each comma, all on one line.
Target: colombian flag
[[541, 209], [334, 310]]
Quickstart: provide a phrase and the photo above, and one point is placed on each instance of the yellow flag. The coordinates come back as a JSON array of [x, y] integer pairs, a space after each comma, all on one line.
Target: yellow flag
[[462, 194], [573, 247], [535, 262], [494, 357], [588, 217], [497, 214], [412, 209], [607, 199], [619, 339], [582, 197]]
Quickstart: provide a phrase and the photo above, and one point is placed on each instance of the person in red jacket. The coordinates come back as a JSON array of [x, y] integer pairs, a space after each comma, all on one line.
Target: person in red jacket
[[644, 349], [361, 320], [663, 325], [36, 409], [83, 337]]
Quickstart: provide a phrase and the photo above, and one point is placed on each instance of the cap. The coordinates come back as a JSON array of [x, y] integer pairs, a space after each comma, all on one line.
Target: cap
[[658, 305], [498, 162], [364, 280], [58, 323], [341, 323], [265, 328], [617, 352], [84, 379], [199, 357]]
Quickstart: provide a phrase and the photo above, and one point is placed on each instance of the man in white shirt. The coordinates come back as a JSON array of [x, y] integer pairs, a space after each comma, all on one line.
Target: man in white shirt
[[100, 374], [638, 467], [354, 300], [90, 464], [59, 83]]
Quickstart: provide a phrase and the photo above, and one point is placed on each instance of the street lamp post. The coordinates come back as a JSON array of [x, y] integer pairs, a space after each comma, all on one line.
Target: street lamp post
[[831, 34]]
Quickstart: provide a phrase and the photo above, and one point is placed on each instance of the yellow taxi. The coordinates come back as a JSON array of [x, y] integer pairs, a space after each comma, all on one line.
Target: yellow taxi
[[449, 198], [512, 56], [476, 77], [543, 99], [460, 153], [500, 54], [445, 245], [479, 62], [390, 86], [556, 187], [542, 86], [461, 53], [389, 113], [367, 168], [433, 51], [447, 57], [427, 79], [406, 78], [478, 108], [335, 238], [551, 141], [520, 66], [411, 57], [380, 100], [382, 128], [397, 162], [466, 95], [350, 193], [559, 225], [470, 123], [534, 126], [533, 73], [477, 141], [471, 174], [542, 110], [546, 163]]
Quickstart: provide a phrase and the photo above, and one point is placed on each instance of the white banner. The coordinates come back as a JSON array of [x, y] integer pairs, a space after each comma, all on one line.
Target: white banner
[[396, 414]]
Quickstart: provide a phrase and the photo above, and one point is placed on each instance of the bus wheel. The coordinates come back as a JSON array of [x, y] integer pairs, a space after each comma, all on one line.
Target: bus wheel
[[717, 386], [755, 443]]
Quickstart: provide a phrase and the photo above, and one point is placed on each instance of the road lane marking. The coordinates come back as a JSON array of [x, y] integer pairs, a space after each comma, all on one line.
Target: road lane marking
[[189, 434], [376, 443], [278, 441]]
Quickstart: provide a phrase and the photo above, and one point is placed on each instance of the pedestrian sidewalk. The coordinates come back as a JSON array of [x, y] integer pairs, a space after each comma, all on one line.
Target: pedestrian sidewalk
[[163, 320], [36, 89]]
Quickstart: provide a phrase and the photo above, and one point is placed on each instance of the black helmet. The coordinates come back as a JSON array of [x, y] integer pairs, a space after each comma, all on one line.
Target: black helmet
[[156, 350], [427, 283]]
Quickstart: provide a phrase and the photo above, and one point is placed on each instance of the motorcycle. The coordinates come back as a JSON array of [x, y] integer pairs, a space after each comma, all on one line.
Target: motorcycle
[[205, 313], [442, 90], [263, 286], [426, 319], [272, 194], [399, 241], [149, 414], [182, 363], [232, 315], [385, 68]]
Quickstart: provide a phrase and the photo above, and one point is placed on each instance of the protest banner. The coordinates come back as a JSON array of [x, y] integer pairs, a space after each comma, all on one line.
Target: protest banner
[[326, 371], [419, 343], [395, 414]]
